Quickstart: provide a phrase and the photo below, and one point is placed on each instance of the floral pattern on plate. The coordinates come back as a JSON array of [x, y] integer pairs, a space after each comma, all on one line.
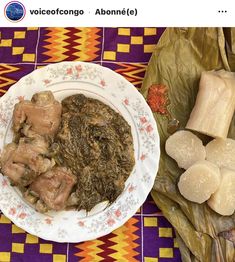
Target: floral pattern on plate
[[64, 79]]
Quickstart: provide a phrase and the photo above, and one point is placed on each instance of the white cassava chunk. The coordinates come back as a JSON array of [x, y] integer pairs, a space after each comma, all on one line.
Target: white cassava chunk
[[221, 152], [186, 148], [199, 181], [215, 104], [223, 200]]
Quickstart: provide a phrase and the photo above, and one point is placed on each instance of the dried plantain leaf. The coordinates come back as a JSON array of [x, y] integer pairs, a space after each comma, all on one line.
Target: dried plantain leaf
[[170, 87]]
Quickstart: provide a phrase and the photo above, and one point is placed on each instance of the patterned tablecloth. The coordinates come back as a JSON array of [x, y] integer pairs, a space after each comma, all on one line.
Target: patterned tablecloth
[[147, 236]]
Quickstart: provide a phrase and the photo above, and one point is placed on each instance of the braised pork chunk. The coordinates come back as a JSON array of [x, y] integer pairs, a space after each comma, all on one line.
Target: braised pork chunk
[[54, 187], [41, 115]]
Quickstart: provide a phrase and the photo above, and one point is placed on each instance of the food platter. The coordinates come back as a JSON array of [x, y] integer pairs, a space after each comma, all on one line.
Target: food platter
[[95, 81]]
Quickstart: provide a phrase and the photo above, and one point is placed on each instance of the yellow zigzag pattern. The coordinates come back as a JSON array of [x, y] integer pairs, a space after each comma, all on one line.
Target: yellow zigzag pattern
[[87, 41], [57, 37], [120, 239], [90, 250], [131, 237], [125, 242], [4, 81], [120, 242]]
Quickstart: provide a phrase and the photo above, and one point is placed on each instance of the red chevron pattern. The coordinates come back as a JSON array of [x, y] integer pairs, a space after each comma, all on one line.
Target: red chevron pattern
[[107, 247], [71, 47], [132, 72]]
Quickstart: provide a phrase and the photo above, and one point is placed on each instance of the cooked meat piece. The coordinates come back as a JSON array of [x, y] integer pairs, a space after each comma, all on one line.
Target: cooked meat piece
[[30, 152], [7, 152], [42, 114], [23, 162], [15, 171], [8, 168], [26, 131], [38, 144], [54, 187]]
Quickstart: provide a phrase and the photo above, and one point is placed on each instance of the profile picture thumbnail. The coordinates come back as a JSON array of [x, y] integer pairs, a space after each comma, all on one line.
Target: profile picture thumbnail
[[14, 11]]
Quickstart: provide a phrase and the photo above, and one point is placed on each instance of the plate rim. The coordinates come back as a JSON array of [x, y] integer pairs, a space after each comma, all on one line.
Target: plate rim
[[156, 159]]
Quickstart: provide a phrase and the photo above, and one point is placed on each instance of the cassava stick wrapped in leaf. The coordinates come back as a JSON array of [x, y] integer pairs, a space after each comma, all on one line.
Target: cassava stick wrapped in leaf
[[215, 104]]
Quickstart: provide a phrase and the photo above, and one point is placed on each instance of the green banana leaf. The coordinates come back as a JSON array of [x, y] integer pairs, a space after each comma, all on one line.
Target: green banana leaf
[[170, 87]]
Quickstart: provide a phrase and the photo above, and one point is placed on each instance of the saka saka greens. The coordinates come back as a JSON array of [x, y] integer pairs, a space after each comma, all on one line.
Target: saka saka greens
[[96, 144]]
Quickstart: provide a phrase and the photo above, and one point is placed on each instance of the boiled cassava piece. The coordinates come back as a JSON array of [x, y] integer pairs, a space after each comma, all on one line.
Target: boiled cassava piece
[[199, 181], [221, 152], [215, 104], [186, 148], [223, 200]]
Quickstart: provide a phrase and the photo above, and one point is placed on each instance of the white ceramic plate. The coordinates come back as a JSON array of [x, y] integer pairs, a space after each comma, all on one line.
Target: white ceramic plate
[[65, 79]]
